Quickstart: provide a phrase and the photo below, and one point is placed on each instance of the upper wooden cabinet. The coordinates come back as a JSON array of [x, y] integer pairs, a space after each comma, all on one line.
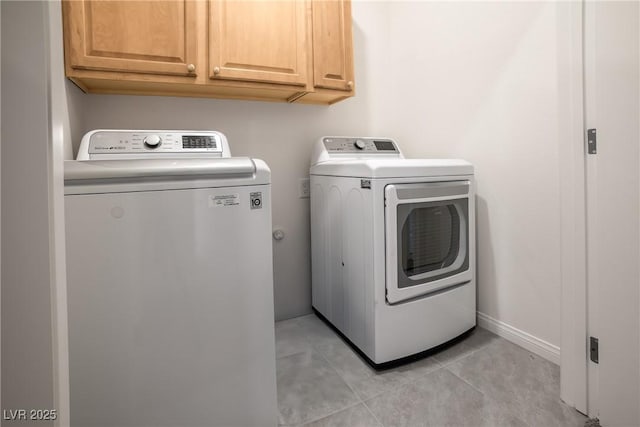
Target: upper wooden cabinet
[[260, 41], [332, 45], [156, 37], [286, 50], [333, 78]]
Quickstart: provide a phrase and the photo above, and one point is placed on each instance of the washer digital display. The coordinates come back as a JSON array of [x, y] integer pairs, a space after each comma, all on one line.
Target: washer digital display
[[384, 146], [198, 141]]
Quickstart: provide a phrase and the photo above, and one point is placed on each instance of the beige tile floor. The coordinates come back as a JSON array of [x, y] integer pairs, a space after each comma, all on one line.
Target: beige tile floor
[[481, 381]]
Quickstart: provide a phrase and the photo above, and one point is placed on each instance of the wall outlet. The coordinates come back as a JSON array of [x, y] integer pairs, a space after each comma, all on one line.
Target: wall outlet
[[304, 188]]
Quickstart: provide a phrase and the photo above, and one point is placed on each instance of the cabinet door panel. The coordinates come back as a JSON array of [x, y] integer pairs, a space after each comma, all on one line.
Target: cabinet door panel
[[157, 37], [259, 40], [332, 44]]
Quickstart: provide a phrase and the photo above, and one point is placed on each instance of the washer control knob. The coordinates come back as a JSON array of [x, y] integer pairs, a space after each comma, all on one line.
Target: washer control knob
[[152, 141], [359, 144]]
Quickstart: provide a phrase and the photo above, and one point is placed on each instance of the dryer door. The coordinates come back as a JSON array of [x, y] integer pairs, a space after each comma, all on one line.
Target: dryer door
[[427, 238]]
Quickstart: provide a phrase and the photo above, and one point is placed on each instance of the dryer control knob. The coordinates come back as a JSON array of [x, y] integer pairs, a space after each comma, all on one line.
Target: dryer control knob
[[152, 141], [359, 144]]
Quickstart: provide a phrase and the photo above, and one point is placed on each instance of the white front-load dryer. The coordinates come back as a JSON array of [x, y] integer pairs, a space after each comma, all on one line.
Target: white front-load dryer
[[393, 248]]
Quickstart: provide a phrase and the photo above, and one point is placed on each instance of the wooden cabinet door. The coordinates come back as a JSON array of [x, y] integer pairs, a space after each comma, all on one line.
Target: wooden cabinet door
[[259, 40], [332, 44], [157, 37]]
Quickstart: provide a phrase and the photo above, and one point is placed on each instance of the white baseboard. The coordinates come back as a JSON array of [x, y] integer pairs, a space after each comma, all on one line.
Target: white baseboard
[[523, 339]]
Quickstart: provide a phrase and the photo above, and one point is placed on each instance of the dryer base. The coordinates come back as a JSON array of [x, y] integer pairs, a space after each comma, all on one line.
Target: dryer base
[[397, 362]]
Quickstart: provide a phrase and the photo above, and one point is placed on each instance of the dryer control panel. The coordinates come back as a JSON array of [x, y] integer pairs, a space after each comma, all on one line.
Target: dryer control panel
[[150, 144], [354, 148], [359, 145]]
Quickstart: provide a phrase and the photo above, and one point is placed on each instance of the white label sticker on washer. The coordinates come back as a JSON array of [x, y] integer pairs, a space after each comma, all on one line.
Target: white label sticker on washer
[[224, 200]]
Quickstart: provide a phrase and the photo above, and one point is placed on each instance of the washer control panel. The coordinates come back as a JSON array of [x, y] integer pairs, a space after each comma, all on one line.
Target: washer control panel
[[359, 145], [121, 144], [107, 142]]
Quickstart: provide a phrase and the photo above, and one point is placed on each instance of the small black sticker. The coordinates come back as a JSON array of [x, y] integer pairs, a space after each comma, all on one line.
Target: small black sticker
[[256, 200]]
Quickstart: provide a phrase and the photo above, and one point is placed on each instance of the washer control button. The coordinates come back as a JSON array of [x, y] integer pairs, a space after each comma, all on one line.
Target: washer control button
[[359, 144], [152, 141]]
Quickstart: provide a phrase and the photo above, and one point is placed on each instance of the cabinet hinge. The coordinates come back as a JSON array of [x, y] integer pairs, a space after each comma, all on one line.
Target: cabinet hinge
[[592, 141], [593, 349]]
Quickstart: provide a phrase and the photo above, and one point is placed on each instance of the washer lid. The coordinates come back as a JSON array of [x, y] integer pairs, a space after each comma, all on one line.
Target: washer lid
[[91, 176], [392, 168]]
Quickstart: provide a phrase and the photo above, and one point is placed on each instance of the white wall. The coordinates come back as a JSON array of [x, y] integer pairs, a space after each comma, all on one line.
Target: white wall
[[487, 91], [27, 380], [447, 79]]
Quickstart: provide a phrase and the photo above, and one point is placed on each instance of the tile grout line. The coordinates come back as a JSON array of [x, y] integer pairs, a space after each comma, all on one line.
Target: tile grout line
[[485, 395], [325, 353], [392, 389], [313, 420], [298, 328], [338, 373], [305, 422], [375, 417], [291, 354], [311, 350], [364, 402], [459, 360], [438, 366], [465, 381], [326, 359], [359, 399], [409, 381], [403, 383], [464, 356]]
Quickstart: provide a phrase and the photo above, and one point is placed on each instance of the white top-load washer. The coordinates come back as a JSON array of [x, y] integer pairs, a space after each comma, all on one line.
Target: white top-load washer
[[393, 248], [169, 282]]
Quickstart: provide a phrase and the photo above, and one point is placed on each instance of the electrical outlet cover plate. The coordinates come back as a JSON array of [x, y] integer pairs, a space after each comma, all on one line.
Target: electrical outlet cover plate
[[304, 188]]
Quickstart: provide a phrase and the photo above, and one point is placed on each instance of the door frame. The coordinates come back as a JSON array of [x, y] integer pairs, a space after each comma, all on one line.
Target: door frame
[[59, 132], [578, 376], [604, 26], [572, 158]]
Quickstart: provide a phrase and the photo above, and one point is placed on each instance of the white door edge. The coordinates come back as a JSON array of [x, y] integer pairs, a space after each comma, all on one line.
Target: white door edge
[[573, 356]]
